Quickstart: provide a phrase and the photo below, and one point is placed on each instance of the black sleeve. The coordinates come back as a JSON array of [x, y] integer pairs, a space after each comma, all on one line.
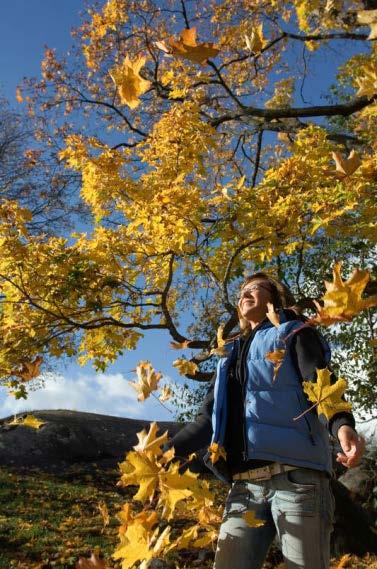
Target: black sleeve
[[195, 436], [308, 354]]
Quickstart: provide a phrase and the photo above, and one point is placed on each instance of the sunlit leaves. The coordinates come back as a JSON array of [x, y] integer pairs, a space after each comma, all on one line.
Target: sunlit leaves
[[327, 397], [128, 81], [171, 489]]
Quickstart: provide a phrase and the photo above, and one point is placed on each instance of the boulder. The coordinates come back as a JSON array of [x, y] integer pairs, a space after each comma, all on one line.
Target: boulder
[[70, 437]]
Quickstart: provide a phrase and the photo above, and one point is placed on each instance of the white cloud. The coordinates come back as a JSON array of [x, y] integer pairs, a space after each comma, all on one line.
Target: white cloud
[[107, 394]]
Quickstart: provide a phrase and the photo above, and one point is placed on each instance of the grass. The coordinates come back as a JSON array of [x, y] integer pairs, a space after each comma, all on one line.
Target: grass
[[50, 521]]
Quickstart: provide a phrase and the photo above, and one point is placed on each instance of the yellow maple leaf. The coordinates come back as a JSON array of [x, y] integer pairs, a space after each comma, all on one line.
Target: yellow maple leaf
[[29, 370], [277, 358], [93, 562], [139, 469], [327, 397], [149, 442], [147, 518], [255, 42], [252, 520], [185, 367], [345, 167], [175, 487], [368, 18], [28, 421], [166, 393], [139, 544], [128, 81], [206, 539], [188, 48], [148, 380], [220, 350], [342, 300], [216, 451]]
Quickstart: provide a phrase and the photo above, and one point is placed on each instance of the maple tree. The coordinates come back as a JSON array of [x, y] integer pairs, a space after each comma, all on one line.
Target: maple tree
[[199, 158]]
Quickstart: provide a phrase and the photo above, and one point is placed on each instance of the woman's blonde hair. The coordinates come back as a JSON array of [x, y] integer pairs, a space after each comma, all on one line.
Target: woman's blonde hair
[[282, 297]]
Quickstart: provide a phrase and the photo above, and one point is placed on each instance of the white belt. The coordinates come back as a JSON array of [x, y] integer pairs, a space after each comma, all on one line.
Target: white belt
[[263, 473]]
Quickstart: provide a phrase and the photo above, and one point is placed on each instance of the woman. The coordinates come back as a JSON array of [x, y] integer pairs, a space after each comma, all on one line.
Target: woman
[[280, 468]]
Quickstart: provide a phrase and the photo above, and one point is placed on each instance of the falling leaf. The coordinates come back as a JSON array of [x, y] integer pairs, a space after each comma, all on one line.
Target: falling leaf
[[277, 358], [28, 421], [166, 393], [220, 350], [342, 300], [139, 544], [185, 367], [128, 81], [180, 345], [93, 562], [272, 315], [344, 167], [149, 441], [369, 18], [255, 42], [215, 452], [187, 47], [29, 370], [252, 520], [148, 380], [328, 397]]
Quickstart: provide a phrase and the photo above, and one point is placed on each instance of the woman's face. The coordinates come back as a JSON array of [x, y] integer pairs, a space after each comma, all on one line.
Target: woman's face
[[253, 299]]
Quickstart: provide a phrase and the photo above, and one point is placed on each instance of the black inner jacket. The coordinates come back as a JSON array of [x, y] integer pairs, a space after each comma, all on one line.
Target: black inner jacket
[[308, 355]]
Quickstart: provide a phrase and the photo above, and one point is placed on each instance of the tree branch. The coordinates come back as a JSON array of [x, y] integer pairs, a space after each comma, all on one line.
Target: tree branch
[[345, 109]]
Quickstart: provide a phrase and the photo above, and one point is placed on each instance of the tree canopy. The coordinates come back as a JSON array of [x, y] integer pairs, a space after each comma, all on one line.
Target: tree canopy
[[211, 139]]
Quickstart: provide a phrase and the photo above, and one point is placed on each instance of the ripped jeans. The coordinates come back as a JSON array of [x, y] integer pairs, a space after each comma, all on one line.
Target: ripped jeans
[[297, 505]]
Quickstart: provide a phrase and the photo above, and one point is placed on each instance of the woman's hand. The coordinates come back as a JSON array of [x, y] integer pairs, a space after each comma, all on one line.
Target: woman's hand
[[353, 446]]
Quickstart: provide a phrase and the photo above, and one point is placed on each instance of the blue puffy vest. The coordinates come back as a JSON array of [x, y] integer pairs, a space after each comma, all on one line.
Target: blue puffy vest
[[270, 433]]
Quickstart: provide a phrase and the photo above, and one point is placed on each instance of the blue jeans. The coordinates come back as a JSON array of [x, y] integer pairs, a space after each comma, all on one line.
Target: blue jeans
[[297, 505]]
